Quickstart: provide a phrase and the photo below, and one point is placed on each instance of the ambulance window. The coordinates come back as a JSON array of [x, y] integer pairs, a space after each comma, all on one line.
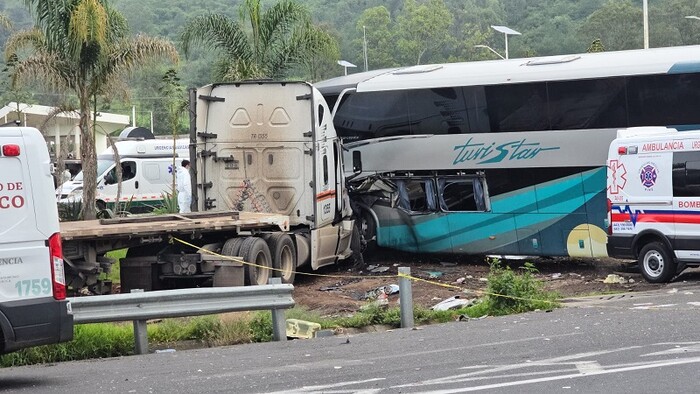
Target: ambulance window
[[128, 170], [151, 171], [686, 174]]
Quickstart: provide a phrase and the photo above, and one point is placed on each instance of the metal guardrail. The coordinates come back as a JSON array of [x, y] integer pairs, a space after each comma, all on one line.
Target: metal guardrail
[[141, 306]]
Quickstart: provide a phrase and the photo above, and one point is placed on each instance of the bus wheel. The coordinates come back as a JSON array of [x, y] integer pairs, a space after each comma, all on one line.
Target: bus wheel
[[254, 250], [284, 256], [368, 229], [656, 263]]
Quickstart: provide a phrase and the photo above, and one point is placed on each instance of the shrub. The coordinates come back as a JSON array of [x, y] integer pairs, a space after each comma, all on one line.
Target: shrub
[[509, 292]]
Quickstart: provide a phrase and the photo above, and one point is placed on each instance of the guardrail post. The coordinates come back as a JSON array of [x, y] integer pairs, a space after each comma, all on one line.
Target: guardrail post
[[279, 323], [406, 297], [140, 333]]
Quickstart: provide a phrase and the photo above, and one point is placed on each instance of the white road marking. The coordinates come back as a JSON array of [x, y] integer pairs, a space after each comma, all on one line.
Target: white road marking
[[324, 388], [658, 364], [588, 367]]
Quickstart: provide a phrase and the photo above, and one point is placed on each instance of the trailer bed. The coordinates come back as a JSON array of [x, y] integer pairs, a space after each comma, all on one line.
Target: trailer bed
[[140, 226]]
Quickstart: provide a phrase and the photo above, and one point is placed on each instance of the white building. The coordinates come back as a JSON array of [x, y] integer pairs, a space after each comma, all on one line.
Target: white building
[[63, 128]]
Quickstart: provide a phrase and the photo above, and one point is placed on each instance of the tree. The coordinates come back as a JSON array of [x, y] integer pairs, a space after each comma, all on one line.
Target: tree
[[176, 103], [618, 24], [423, 28], [596, 46], [381, 39], [83, 46], [277, 40]]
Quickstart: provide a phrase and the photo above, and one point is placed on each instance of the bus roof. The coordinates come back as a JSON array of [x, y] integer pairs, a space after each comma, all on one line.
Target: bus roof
[[548, 68]]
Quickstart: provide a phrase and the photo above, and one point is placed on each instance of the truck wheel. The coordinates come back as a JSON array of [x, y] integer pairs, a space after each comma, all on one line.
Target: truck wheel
[[232, 247], [284, 256], [254, 250], [656, 263]]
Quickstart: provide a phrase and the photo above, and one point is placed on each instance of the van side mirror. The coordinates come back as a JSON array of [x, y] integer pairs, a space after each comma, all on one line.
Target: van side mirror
[[356, 161], [109, 178]]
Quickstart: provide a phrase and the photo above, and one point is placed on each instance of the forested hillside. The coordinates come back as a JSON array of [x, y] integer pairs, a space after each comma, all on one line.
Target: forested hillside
[[406, 32]]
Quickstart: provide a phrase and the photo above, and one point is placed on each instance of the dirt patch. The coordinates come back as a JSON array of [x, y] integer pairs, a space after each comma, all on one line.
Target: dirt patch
[[343, 291]]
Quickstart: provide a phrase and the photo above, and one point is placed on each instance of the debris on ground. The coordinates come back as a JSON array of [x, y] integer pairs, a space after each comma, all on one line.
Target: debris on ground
[[376, 269], [614, 278], [434, 274], [301, 328], [556, 276], [381, 290], [455, 302]]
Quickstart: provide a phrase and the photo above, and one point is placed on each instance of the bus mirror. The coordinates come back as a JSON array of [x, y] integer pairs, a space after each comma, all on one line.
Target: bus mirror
[[356, 162]]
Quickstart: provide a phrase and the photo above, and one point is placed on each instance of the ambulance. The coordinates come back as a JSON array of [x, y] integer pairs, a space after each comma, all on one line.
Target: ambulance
[[653, 191], [147, 174], [33, 306]]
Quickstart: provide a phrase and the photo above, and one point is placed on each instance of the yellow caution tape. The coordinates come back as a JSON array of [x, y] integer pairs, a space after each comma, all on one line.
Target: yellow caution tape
[[400, 275], [240, 260]]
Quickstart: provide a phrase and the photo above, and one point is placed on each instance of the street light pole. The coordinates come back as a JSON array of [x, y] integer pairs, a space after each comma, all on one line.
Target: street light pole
[[346, 64], [364, 45], [506, 32], [490, 49], [645, 12]]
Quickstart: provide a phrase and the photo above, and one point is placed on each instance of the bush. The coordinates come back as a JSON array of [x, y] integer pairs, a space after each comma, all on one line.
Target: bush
[[509, 292]]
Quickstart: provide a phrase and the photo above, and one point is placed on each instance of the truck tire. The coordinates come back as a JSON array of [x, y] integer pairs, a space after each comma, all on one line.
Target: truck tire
[[284, 256], [254, 250], [656, 263], [232, 247]]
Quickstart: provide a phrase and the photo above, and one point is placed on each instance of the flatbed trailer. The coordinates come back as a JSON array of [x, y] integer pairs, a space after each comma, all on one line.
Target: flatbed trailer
[[149, 240]]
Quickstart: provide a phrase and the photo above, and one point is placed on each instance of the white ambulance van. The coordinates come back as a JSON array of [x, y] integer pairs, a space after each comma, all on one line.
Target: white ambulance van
[[33, 306], [147, 168], [653, 191]]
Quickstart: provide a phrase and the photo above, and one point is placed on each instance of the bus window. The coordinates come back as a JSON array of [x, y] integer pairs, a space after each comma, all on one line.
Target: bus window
[[663, 100], [416, 195], [587, 104], [461, 195], [521, 107]]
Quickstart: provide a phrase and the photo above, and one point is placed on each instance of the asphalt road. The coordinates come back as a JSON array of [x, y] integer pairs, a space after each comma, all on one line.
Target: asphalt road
[[613, 344]]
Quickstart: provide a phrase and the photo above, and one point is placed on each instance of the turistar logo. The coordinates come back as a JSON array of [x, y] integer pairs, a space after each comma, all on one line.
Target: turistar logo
[[618, 177]]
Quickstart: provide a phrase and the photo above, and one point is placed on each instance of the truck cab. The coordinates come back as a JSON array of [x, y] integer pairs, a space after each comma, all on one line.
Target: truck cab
[[271, 147]]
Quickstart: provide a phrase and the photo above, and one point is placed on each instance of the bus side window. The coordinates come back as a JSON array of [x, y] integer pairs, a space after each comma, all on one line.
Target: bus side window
[[416, 195], [461, 195]]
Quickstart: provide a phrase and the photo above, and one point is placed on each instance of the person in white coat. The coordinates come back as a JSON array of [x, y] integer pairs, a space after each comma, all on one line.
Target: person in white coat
[[184, 187]]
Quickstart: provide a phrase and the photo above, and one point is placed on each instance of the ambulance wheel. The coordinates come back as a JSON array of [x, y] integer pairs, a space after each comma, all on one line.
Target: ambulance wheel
[[656, 263], [284, 256], [255, 251]]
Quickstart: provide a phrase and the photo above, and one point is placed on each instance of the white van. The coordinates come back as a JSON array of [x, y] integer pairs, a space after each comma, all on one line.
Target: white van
[[653, 191], [147, 174], [33, 306]]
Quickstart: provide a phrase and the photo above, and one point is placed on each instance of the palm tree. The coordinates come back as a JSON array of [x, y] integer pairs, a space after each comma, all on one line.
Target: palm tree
[[277, 40], [5, 21], [83, 46]]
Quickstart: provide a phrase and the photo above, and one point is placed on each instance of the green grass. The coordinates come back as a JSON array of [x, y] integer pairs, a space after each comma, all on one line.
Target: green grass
[[114, 273], [509, 291]]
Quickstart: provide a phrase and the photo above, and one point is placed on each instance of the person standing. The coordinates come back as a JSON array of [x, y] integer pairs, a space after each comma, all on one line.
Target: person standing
[[184, 187]]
